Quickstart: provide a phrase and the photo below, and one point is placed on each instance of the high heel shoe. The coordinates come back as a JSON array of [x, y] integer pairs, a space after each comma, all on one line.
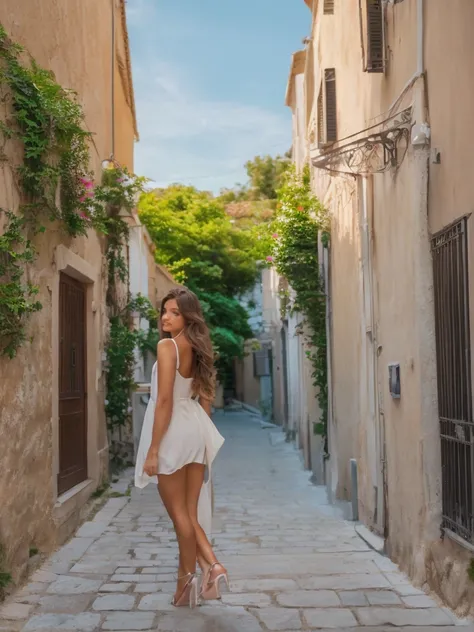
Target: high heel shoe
[[212, 589], [189, 594]]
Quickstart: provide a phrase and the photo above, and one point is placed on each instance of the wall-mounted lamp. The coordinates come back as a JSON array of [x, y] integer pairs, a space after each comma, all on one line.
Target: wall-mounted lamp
[[108, 164]]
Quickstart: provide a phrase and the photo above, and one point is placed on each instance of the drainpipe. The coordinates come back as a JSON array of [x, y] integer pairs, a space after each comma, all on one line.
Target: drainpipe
[[113, 80], [420, 37], [431, 453]]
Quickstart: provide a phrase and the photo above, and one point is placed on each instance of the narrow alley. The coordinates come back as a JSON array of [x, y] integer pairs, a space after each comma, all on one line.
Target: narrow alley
[[293, 564]]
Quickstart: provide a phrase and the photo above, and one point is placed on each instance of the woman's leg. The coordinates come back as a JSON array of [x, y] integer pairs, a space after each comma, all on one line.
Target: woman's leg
[[172, 489], [194, 481]]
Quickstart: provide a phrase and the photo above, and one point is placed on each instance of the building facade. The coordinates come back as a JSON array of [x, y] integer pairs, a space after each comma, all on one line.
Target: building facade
[[54, 447], [389, 146]]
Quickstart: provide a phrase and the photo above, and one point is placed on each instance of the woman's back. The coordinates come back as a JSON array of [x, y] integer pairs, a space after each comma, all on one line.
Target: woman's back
[[185, 357], [182, 385]]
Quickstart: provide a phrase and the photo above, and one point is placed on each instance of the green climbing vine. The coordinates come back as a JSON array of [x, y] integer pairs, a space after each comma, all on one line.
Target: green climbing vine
[[42, 124], [300, 218], [47, 120], [118, 192], [122, 342], [5, 577], [18, 297]]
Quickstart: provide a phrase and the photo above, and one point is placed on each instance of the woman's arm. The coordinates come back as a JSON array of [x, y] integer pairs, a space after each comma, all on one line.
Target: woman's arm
[[206, 404], [166, 376]]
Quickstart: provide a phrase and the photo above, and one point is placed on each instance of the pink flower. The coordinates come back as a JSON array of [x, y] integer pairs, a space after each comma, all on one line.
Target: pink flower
[[84, 215], [82, 198], [275, 235], [87, 183], [270, 259]]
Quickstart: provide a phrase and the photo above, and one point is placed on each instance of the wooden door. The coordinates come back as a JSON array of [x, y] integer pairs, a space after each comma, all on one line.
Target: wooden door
[[72, 384]]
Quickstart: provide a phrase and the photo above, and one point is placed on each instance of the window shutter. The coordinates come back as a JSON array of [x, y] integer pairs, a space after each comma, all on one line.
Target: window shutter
[[375, 43], [328, 7], [331, 111], [320, 118]]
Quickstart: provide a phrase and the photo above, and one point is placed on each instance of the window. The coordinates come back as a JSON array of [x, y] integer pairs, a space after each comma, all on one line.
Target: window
[[328, 7], [453, 360], [375, 36]]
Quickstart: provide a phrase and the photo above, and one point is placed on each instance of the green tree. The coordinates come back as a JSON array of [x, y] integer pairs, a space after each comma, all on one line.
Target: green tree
[[198, 242], [251, 207], [265, 177]]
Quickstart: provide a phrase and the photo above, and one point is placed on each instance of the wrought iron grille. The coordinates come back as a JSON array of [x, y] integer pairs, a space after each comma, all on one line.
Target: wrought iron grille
[[451, 295]]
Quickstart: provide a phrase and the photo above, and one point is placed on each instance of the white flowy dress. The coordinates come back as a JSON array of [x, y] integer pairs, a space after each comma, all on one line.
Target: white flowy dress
[[191, 437]]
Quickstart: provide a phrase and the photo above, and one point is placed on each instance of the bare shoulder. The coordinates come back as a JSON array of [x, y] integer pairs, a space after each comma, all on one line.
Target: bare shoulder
[[165, 342], [166, 350]]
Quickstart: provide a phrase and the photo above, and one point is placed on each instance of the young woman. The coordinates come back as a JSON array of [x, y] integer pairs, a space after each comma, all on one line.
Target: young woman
[[179, 441]]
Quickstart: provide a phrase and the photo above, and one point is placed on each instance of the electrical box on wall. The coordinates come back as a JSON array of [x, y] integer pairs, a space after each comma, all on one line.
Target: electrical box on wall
[[394, 380]]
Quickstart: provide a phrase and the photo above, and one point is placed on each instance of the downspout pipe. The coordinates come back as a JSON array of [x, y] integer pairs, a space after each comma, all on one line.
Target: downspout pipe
[[420, 38], [112, 70]]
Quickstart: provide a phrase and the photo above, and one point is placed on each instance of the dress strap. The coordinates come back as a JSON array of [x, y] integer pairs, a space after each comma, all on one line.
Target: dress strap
[[177, 353]]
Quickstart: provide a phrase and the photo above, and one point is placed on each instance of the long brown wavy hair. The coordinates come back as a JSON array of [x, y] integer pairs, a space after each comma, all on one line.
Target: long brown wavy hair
[[197, 332]]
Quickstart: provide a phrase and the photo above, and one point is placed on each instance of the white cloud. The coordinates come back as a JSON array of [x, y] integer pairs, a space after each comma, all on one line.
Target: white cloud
[[187, 137]]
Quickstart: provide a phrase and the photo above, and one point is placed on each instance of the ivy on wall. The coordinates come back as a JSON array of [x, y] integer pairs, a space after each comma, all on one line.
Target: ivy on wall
[[122, 342], [17, 295], [54, 182], [299, 220], [43, 124]]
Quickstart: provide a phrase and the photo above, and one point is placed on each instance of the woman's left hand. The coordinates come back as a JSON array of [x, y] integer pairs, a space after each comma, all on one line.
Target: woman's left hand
[[151, 463]]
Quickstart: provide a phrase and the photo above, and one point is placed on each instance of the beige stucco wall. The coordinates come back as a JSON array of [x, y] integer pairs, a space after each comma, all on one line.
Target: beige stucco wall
[[75, 43], [345, 291], [405, 206]]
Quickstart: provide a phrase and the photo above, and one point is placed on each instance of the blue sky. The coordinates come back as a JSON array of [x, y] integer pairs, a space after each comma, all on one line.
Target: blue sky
[[210, 79]]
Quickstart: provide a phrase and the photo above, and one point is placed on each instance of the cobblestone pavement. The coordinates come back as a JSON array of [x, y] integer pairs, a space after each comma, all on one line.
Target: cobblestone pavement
[[293, 565]]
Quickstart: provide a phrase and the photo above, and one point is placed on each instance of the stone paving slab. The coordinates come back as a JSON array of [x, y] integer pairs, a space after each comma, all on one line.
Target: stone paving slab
[[294, 563]]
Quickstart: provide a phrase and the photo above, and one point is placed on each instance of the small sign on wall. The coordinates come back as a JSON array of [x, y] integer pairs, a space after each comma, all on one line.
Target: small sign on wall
[[394, 380]]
